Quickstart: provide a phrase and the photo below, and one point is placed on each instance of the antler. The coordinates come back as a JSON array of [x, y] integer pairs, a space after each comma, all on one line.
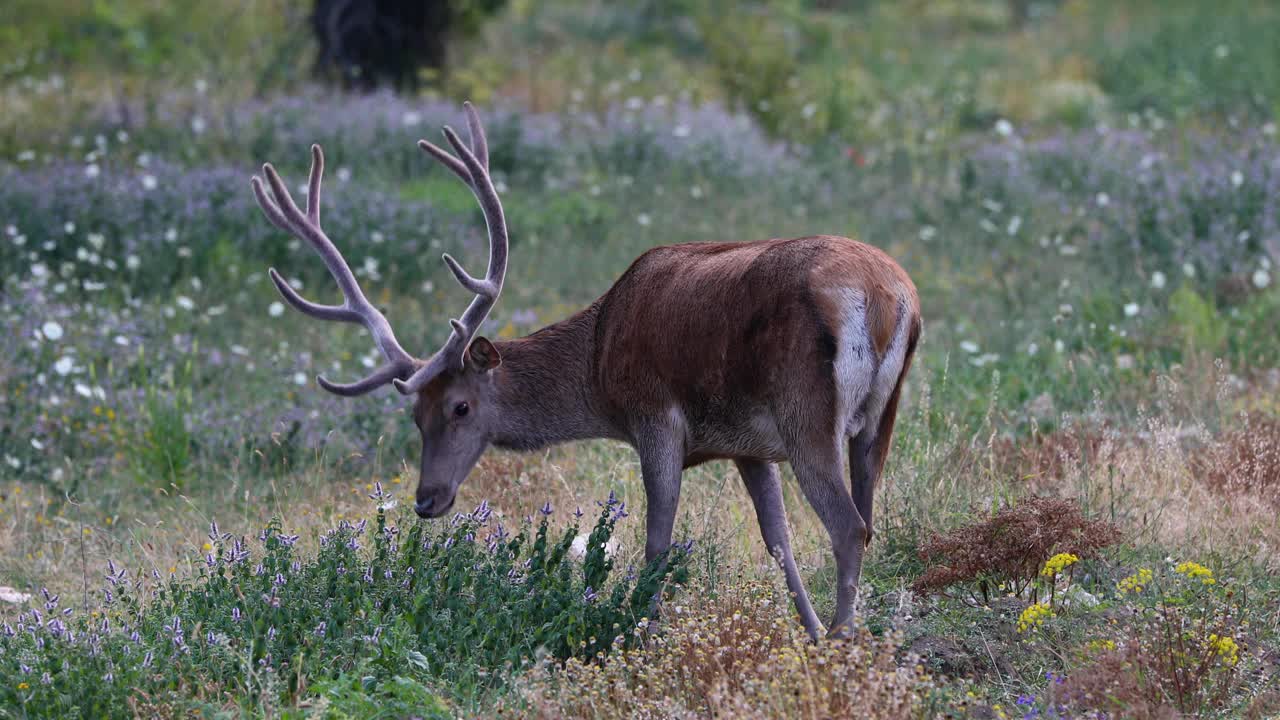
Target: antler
[[473, 169], [405, 372], [284, 214]]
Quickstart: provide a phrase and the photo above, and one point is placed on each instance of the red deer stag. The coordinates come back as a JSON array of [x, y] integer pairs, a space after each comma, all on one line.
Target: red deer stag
[[758, 352]]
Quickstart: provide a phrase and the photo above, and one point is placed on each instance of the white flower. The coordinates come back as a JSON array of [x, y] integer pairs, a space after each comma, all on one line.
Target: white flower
[[1158, 280], [97, 240], [410, 118], [1188, 269], [344, 174], [1015, 223], [275, 309], [1131, 309], [84, 390], [299, 378], [14, 462], [1103, 199], [133, 262], [239, 350], [1059, 346], [64, 366], [969, 346], [376, 237], [1032, 348], [92, 170], [68, 227], [51, 330], [185, 302], [9, 595], [1004, 127], [578, 550], [1261, 278], [1237, 179], [149, 182], [644, 219], [681, 131], [198, 125], [171, 235]]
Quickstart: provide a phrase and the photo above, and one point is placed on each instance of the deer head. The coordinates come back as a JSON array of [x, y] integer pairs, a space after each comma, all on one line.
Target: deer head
[[455, 401]]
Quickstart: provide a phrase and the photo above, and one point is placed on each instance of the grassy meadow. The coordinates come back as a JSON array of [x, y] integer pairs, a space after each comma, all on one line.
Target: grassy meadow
[[1079, 512]]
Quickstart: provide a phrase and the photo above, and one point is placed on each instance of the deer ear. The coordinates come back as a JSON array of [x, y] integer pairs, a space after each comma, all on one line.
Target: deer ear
[[482, 356]]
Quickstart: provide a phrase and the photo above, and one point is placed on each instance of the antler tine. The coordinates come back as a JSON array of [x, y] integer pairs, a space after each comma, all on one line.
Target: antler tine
[[473, 168], [281, 210], [479, 145]]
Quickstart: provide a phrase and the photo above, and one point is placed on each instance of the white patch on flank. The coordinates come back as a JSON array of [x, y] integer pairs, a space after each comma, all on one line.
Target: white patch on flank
[[855, 362]]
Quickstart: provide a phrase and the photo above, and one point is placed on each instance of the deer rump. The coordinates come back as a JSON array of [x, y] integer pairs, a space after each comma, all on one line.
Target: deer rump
[[755, 350]]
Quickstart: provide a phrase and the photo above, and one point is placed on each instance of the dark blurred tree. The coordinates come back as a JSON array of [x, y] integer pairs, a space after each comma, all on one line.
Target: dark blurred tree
[[367, 43]]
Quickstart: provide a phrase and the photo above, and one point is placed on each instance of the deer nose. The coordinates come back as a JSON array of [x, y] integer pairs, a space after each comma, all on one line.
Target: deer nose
[[423, 507]]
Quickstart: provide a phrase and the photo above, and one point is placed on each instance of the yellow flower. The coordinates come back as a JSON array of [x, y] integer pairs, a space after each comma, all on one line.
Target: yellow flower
[[1058, 563], [1098, 646], [1135, 583], [1194, 570], [207, 547], [23, 686], [1034, 616], [1225, 648]]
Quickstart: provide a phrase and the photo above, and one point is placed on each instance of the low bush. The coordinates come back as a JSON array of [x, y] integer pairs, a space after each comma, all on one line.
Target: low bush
[[1007, 552], [376, 610], [739, 654]]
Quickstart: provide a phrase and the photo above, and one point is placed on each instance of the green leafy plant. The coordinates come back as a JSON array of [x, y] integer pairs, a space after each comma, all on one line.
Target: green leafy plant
[[376, 611]]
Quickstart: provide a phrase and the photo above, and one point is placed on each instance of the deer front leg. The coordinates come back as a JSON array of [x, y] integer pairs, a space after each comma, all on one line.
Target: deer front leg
[[764, 484], [661, 462]]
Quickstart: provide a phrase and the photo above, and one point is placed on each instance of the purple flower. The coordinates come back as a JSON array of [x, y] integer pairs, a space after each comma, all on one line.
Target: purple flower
[[589, 595], [545, 509]]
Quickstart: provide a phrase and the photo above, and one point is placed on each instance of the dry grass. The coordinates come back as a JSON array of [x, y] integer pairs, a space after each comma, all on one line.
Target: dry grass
[[740, 655], [1244, 460]]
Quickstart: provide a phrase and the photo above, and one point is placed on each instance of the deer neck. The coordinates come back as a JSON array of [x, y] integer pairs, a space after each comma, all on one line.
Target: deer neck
[[545, 386]]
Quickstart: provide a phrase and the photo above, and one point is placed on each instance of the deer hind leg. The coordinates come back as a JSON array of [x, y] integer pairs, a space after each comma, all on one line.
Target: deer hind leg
[[764, 484], [820, 472]]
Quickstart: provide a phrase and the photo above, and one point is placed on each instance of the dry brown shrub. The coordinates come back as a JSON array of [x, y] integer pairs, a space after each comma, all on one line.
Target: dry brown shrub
[[1049, 456], [1007, 551], [1244, 460], [742, 655], [1112, 686]]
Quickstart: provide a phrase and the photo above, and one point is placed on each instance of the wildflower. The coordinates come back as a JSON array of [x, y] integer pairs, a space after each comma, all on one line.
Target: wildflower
[[1135, 583], [1261, 279], [1034, 616], [1226, 648], [64, 365], [1194, 570], [1132, 309], [1058, 563], [545, 509], [23, 686], [51, 330], [1158, 280], [275, 309], [969, 346], [1098, 646]]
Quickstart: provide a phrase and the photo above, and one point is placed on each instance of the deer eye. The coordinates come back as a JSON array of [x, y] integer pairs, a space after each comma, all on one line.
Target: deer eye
[[461, 409]]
